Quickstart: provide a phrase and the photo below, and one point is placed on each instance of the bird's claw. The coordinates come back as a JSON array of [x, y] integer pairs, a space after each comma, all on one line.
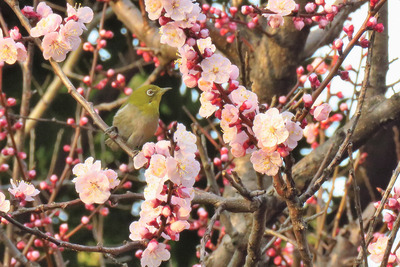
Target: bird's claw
[[112, 132]]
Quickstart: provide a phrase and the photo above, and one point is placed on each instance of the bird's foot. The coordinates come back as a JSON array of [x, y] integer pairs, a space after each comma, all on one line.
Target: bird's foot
[[112, 132]]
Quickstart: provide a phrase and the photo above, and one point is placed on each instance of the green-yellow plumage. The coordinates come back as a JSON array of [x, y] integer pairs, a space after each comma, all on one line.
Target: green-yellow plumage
[[137, 120]]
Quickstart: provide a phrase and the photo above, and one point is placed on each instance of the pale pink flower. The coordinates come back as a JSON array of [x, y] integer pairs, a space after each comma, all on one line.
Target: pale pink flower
[[185, 140], [158, 166], [43, 9], [189, 80], [229, 133], [46, 25], [179, 226], [21, 52], [275, 21], [137, 230], [378, 248], [269, 128], [242, 96], [234, 72], [216, 68], [266, 162], [4, 204], [281, 7], [162, 147], [23, 190], [205, 85], [8, 50], [55, 46], [229, 115], [311, 132], [154, 186], [295, 131], [93, 187], [153, 8], [143, 156], [92, 183], [176, 9], [15, 34], [81, 15], [71, 32], [112, 178], [149, 212], [154, 254], [140, 160], [182, 169], [190, 18], [295, 134], [172, 35], [206, 108], [322, 111], [237, 150], [205, 43]]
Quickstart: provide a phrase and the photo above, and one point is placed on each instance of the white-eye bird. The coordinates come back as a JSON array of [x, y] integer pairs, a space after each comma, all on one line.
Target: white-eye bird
[[137, 120]]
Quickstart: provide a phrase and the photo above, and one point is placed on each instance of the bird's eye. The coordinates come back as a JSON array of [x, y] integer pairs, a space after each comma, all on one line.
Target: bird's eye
[[150, 92]]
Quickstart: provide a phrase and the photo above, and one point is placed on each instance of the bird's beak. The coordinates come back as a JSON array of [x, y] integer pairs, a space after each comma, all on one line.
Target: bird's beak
[[163, 90]]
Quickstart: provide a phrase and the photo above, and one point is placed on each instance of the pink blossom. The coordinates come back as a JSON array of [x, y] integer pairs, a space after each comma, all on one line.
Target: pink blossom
[[295, 133], [55, 46], [185, 140], [281, 7], [191, 17], [275, 21], [71, 32], [44, 10], [179, 226], [266, 162], [4, 204], [241, 95], [81, 15], [158, 166], [234, 72], [46, 25], [162, 147], [23, 190], [153, 8], [138, 230], [8, 50], [176, 9], [154, 186], [229, 115], [182, 169], [172, 35], [322, 111], [204, 43], [378, 248], [216, 68], [154, 254], [15, 34], [269, 128], [206, 108], [92, 183], [205, 85]]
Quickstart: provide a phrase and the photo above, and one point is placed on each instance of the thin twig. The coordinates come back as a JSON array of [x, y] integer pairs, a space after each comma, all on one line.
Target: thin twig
[[207, 234]]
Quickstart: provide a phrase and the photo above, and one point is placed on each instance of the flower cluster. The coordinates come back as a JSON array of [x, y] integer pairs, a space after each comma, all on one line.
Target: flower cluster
[[170, 176], [92, 183], [59, 38], [237, 107]]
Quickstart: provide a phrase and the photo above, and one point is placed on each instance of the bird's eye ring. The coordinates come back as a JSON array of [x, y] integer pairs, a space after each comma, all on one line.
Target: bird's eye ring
[[150, 92]]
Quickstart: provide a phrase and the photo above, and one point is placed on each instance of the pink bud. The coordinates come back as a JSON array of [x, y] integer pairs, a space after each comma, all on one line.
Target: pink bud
[[204, 33], [152, 246], [38, 243], [282, 100], [251, 25], [4, 167], [85, 220], [217, 162], [379, 27], [230, 39], [127, 185], [246, 10], [11, 101], [224, 157], [310, 7], [343, 107], [321, 112], [338, 43], [308, 101], [104, 211], [63, 229], [233, 10], [372, 22], [15, 34], [299, 24], [70, 121], [166, 211], [53, 178], [83, 121]]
